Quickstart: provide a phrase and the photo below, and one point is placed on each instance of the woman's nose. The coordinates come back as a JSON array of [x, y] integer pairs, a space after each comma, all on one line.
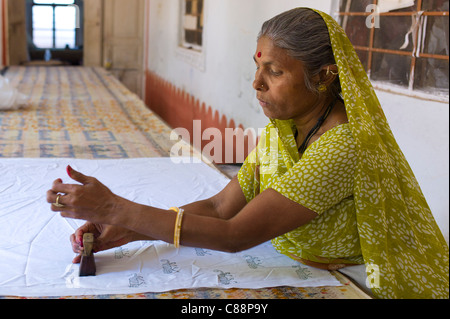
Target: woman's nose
[[258, 83]]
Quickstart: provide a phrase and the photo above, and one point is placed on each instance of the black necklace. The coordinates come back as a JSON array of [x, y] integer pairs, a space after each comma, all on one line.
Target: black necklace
[[314, 130]]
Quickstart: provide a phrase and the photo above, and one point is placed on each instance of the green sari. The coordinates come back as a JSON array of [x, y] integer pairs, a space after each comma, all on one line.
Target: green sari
[[389, 225]]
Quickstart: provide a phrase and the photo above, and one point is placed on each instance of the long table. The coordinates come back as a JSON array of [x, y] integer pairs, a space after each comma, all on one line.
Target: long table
[[86, 113]]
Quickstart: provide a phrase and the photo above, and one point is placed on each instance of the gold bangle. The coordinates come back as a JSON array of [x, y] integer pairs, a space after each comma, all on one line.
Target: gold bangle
[[177, 231]]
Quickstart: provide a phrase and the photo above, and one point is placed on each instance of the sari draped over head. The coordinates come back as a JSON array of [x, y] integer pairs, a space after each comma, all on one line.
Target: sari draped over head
[[370, 206], [400, 239]]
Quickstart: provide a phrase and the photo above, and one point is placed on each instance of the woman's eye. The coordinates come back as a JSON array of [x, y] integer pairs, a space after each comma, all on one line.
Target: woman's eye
[[275, 73]]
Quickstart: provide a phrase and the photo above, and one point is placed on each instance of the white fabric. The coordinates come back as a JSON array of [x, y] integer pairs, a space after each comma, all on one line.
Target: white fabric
[[35, 252]]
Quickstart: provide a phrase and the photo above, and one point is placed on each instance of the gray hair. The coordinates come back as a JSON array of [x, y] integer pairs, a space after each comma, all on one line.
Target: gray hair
[[303, 33]]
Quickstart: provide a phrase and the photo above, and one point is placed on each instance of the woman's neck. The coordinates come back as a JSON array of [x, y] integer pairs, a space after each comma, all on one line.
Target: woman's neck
[[308, 120]]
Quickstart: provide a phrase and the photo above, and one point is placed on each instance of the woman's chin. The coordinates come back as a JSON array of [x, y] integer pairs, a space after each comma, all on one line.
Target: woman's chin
[[268, 113], [273, 115]]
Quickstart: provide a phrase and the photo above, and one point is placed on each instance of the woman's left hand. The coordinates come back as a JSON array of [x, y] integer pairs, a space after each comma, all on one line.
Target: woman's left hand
[[91, 201]]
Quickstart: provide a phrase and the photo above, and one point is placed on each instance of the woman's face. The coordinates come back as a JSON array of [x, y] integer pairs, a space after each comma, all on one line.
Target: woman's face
[[279, 83]]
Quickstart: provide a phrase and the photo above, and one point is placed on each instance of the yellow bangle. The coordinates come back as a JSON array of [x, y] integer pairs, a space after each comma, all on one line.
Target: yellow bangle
[[177, 231]]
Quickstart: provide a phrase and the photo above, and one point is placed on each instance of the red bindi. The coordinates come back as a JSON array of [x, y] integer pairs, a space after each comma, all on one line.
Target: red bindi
[[259, 54]]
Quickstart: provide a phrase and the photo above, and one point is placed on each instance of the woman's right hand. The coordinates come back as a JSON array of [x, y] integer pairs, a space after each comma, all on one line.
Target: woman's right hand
[[106, 237]]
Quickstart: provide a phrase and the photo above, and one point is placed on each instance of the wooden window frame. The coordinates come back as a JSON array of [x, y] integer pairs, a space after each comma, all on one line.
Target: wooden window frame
[[196, 16], [78, 31], [370, 49]]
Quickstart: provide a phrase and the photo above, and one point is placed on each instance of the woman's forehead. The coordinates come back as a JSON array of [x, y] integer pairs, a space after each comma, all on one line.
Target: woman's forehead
[[265, 44], [267, 51]]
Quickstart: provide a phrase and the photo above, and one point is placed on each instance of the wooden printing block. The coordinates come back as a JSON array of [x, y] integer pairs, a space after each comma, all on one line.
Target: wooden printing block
[[87, 265]]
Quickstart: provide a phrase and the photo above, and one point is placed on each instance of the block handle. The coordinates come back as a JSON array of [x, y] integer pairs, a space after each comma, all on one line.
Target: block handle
[[88, 244]]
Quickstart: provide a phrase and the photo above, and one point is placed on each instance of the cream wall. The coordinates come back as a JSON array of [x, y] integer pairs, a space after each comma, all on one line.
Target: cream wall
[[222, 78]]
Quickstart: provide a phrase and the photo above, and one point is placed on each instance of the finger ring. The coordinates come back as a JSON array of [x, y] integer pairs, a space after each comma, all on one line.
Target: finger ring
[[57, 204]]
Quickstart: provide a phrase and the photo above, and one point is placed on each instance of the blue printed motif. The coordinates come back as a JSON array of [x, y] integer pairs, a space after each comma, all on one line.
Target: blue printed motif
[[201, 252], [99, 136], [136, 280], [168, 267], [121, 252], [225, 278], [52, 123], [92, 123], [56, 151], [10, 135], [108, 151], [252, 262], [303, 273], [54, 136], [11, 150]]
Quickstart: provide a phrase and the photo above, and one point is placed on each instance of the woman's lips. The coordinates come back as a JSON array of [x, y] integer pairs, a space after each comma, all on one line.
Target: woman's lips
[[263, 103]]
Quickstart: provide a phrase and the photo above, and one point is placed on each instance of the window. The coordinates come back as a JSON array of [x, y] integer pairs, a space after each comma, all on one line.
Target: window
[[55, 24], [192, 24], [402, 43]]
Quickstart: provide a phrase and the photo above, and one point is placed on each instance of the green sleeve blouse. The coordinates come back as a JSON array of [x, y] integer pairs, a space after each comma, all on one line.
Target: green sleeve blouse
[[322, 181]]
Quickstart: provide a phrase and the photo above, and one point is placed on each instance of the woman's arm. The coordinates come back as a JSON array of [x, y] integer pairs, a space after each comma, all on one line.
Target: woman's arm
[[225, 205], [267, 216], [110, 236], [225, 222]]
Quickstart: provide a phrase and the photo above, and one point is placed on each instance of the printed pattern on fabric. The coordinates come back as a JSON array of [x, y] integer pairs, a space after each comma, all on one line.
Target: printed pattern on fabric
[[81, 112]]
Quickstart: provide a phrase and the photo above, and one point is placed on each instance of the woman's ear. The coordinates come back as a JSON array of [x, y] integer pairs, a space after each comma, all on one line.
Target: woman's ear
[[328, 74]]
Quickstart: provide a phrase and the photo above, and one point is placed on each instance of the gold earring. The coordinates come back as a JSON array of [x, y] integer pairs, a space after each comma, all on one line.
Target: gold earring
[[322, 88], [329, 71]]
